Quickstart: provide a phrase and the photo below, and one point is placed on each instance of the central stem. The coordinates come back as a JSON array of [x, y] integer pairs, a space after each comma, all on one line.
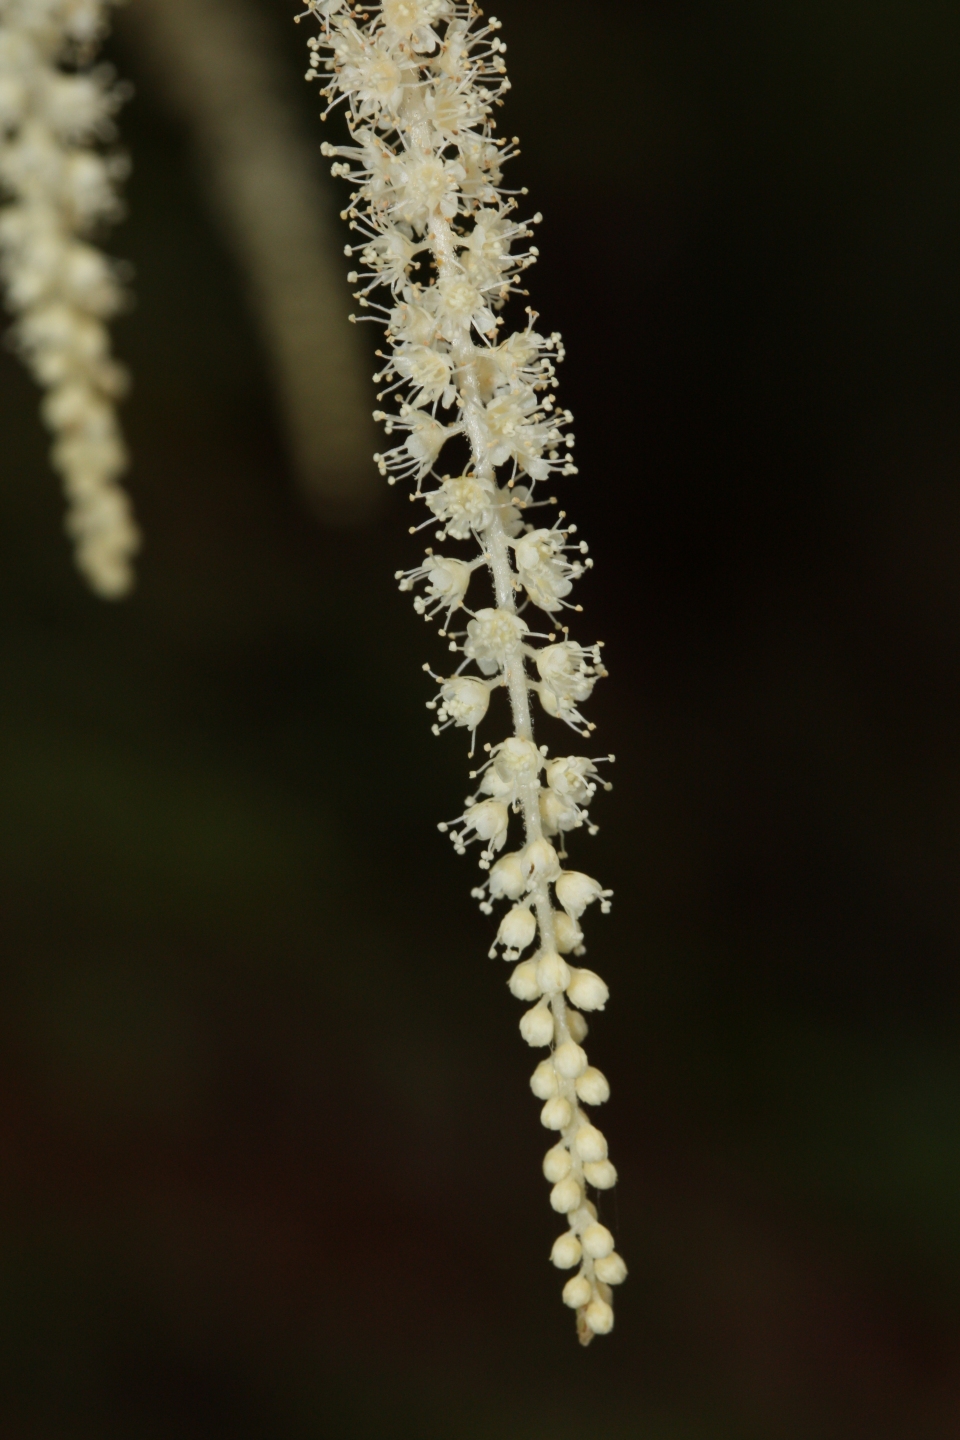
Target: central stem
[[496, 549]]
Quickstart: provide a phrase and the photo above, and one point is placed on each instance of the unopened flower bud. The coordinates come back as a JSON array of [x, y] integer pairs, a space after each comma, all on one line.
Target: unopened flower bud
[[597, 1242], [517, 929], [587, 990], [553, 973], [577, 1292], [590, 1143], [543, 1081], [593, 1086], [541, 861], [569, 1060], [599, 1317], [556, 1114], [566, 1251], [536, 1027], [611, 1269], [601, 1174], [523, 984], [556, 1164], [508, 878], [567, 932], [577, 1025], [566, 1195]]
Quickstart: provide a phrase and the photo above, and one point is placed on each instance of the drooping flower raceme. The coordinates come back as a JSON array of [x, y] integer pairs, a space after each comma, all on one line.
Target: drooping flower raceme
[[439, 242], [54, 108]]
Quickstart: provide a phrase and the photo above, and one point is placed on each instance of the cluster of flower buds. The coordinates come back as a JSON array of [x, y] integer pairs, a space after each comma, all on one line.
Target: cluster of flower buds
[[440, 244], [54, 109]]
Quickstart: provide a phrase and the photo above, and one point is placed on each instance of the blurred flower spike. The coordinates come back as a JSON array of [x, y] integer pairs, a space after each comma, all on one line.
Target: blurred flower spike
[[56, 110]]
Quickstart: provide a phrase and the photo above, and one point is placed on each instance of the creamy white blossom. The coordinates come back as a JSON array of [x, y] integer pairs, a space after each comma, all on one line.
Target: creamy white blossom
[[441, 250], [54, 110]]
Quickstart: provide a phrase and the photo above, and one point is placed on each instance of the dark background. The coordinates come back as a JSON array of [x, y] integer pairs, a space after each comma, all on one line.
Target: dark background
[[270, 1163]]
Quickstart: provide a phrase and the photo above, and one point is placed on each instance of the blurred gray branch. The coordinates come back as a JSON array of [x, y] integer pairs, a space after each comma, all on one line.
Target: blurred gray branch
[[219, 64]]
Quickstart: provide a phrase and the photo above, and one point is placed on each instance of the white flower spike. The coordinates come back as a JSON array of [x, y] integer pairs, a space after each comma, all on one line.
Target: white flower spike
[[54, 108], [438, 234]]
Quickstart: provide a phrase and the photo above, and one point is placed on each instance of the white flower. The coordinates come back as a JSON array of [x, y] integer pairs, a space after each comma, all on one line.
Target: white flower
[[413, 20], [558, 813], [488, 820], [544, 572], [576, 891], [417, 456], [429, 373], [464, 700], [453, 109], [426, 185], [461, 306], [374, 78], [571, 776], [413, 324], [569, 673], [491, 636], [447, 582], [463, 506], [514, 763]]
